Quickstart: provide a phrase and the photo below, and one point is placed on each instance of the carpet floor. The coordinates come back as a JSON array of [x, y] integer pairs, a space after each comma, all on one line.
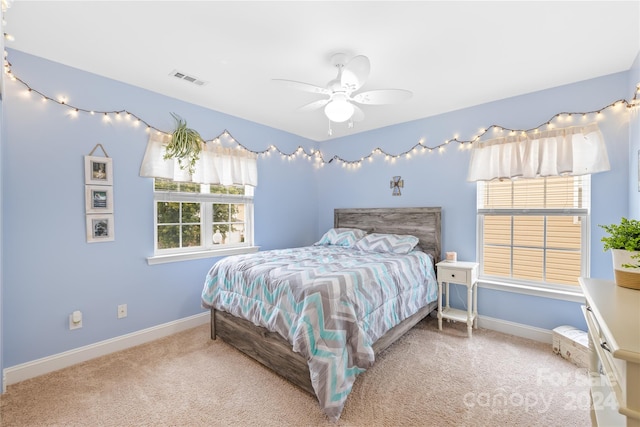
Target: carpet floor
[[427, 378]]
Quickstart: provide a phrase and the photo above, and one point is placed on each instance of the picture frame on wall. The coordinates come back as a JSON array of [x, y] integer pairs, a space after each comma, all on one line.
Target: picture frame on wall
[[100, 228], [98, 199], [98, 170]]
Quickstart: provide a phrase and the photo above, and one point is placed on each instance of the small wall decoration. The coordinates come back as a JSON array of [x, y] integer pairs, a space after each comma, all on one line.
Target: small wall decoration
[[98, 170], [98, 195], [99, 198], [396, 184], [100, 228]]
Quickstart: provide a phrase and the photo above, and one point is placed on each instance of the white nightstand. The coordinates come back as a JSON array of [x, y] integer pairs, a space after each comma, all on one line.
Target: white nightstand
[[462, 273]]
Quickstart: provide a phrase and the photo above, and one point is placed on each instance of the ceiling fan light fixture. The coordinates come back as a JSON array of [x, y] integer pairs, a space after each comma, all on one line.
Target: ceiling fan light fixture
[[342, 100], [339, 109]]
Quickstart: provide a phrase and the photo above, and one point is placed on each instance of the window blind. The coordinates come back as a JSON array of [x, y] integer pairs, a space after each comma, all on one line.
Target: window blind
[[533, 230], [550, 194]]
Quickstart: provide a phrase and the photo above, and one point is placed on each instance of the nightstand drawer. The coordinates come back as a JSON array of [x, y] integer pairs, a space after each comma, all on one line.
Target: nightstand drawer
[[453, 275]]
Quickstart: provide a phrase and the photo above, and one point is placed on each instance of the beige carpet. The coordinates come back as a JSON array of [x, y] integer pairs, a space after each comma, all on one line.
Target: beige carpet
[[428, 378]]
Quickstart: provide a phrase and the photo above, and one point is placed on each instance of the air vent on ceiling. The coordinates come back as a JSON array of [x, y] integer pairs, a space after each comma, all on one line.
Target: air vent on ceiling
[[187, 78]]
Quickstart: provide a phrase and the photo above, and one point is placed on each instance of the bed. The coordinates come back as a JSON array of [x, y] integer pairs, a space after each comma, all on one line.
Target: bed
[[321, 335]]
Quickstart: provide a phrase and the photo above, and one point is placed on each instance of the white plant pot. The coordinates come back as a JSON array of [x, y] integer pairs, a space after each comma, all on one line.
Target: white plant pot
[[626, 277]]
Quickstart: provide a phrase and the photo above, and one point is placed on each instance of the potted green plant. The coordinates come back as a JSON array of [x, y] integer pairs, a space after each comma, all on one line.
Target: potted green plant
[[623, 239], [185, 145]]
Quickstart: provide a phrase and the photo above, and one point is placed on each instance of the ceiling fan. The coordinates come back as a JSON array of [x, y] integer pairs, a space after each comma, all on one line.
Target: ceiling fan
[[340, 105]]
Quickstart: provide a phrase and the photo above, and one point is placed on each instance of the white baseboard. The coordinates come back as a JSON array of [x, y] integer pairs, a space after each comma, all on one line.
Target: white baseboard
[[517, 329], [24, 371]]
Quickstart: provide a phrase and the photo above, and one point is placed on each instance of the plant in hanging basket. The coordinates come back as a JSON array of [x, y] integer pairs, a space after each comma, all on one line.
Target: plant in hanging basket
[[185, 145]]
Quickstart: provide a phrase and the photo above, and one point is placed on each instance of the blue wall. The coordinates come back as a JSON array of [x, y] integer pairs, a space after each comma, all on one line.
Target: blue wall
[[634, 144], [50, 270], [439, 179], [1, 220]]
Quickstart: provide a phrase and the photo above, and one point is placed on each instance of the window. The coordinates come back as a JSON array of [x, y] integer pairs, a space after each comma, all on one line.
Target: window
[[196, 218], [534, 231]]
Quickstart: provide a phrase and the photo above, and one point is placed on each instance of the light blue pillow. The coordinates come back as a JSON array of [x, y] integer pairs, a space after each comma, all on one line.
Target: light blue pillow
[[392, 243], [345, 237]]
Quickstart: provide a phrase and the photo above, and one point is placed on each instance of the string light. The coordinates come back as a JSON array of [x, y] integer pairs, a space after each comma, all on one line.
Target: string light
[[320, 160]]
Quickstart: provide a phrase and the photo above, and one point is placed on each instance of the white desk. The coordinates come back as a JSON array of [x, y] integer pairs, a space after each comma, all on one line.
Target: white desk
[[613, 317]]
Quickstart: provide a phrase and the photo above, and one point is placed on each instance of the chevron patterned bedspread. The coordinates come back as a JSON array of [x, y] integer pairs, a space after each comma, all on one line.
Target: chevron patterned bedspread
[[331, 303]]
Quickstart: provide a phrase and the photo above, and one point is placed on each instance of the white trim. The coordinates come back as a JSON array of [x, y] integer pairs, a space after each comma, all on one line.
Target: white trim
[[34, 368], [186, 256], [517, 329], [25, 371], [206, 200], [559, 294]]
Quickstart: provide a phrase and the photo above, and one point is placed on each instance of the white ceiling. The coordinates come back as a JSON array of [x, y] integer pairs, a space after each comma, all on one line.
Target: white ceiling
[[450, 54]]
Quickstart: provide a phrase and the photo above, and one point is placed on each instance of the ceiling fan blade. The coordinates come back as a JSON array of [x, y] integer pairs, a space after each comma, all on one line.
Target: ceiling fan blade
[[306, 87], [382, 96], [355, 73], [358, 114], [314, 105]]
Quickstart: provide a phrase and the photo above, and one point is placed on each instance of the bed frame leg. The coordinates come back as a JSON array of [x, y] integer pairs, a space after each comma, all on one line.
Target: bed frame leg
[[213, 324]]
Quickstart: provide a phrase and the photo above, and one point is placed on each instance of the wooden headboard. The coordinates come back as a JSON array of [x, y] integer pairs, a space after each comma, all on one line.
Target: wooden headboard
[[424, 223]]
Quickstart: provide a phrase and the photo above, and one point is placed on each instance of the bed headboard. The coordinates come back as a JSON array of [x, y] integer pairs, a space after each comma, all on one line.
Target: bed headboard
[[424, 223]]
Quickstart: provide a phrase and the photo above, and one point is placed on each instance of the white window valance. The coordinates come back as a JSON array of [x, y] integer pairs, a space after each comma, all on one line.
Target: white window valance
[[217, 164], [575, 150]]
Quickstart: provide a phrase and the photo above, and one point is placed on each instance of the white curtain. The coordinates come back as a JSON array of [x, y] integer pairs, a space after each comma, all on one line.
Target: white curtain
[[217, 164], [575, 150]]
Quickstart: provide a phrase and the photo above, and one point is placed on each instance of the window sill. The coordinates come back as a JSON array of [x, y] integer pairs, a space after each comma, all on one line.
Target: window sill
[[559, 294], [188, 256]]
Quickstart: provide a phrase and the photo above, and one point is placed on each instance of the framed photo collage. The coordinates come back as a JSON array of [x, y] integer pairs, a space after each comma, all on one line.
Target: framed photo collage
[[98, 180]]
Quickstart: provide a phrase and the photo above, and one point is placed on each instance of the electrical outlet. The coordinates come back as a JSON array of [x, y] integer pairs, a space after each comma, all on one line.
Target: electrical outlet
[[122, 311], [75, 320]]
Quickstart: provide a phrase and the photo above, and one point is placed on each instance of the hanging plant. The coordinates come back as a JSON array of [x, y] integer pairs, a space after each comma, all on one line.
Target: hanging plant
[[185, 145]]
